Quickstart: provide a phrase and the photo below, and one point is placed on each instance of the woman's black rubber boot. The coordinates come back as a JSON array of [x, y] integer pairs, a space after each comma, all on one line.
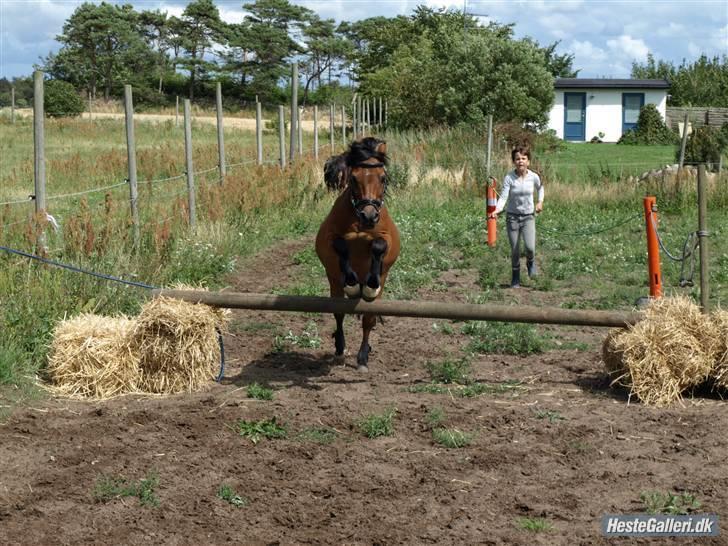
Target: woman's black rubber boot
[[516, 278]]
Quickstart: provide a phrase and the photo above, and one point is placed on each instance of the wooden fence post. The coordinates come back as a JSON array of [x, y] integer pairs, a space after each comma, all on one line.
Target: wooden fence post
[[315, 131], [490, 143], [703, 238], [131, 163], [220, 133], [343, 125], [90, 109], [332, 109], [282, 135], [294, 112], [684, 141], [300, 131], [176, 112], [259, 132], [190, 167], [12, 105], [39, 144]]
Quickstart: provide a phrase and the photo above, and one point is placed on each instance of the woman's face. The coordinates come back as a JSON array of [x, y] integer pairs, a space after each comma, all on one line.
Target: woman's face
[[521, 162]]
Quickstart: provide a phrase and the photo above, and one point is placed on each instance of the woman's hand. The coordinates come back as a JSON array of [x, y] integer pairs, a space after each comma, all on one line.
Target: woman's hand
[[539, 207], [493, 215]]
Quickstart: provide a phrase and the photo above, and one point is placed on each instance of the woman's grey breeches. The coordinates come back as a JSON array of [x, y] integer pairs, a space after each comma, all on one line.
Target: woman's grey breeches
[[523, 225]]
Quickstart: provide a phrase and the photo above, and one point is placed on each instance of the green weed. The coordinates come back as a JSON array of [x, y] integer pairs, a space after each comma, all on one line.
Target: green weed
[[504, 338], [308, 339], [256, 430], [471, 390], [259, 392], [449, 371], [535, 525], [228, 494], [376, 425], [658, 502], [435, 416], [552, 416], [451, 437], [319, 435], [108, 488]]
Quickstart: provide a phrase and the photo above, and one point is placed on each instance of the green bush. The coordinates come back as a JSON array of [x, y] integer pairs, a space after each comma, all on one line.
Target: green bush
[[705, 144], [651, 129], [61, 100]]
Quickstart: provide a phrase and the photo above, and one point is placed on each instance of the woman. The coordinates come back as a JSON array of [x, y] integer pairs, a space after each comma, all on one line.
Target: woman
[[519, 185]]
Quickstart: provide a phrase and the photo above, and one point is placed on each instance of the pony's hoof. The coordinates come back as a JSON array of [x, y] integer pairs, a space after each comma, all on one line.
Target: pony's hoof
[[362, 368], [370, 294], [340, 360], [352, 291]]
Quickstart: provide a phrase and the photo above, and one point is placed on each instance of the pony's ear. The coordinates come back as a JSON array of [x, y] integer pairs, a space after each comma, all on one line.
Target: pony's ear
[[381, 148]]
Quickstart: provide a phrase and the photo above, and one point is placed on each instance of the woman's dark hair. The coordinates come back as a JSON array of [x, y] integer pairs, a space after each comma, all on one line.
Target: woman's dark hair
[[521, 149]]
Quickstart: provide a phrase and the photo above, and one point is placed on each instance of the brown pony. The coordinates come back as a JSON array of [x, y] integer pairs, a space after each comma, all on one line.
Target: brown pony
[[358, 242]]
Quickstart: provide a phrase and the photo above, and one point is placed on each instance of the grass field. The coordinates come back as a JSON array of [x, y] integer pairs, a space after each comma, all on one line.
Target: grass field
[[591, 235]]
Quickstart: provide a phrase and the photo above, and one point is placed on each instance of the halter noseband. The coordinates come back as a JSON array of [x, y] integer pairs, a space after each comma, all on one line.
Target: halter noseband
[[359, 204]]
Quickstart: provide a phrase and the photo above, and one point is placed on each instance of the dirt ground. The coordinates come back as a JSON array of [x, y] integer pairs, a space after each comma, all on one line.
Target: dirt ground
[[402, 489]]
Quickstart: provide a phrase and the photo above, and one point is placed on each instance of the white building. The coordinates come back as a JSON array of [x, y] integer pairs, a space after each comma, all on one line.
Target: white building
[[583, 108]]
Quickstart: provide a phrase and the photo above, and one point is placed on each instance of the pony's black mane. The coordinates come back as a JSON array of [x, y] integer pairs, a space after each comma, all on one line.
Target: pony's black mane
[[358, 152], [361, 150]]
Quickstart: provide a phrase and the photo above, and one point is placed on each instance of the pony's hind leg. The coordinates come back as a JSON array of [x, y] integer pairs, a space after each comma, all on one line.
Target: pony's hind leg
[[373, 285], [351, 282], [339, 341], [362, 358]]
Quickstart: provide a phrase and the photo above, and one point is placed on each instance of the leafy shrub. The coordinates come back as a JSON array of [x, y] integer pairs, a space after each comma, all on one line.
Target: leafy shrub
[[515, 134], [61, 99], [705, 144], [651, 129]]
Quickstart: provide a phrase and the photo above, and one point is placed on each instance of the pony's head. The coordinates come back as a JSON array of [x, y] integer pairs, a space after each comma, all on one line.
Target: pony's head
[[366, 162]]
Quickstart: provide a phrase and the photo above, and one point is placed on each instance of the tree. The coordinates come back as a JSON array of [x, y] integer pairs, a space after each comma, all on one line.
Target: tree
[[324, 49], [101, 43], [453, 71], [60, 99], [703, 82], [270, 29], [198, 28], [156, 30]]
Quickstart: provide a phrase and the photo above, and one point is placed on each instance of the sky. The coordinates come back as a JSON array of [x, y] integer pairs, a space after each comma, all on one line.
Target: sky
[[605, 37]]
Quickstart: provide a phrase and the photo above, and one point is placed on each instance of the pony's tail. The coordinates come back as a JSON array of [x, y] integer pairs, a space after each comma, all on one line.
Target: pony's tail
[[334, 170]]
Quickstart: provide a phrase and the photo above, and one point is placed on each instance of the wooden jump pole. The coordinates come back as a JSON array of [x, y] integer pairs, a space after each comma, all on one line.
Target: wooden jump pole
[[422, 309]]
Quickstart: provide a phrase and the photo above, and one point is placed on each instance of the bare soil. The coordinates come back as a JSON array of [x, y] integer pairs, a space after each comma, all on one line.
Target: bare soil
[[595, 456]]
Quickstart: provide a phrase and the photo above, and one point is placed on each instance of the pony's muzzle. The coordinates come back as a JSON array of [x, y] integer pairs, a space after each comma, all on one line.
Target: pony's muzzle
[[369, 216]]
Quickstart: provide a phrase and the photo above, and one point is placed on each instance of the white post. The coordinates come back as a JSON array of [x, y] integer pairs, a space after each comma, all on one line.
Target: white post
[[39, 142], [131, 163], [259, 132], [315, 131], [190, 168], [220, 133]]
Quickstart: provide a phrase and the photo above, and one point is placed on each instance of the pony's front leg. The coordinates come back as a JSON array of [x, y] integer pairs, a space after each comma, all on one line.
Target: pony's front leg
[[351, 281], [362, 358], [373, 285]]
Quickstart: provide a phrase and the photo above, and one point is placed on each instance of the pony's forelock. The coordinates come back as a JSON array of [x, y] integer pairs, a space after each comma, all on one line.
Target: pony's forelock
[[366, 148]]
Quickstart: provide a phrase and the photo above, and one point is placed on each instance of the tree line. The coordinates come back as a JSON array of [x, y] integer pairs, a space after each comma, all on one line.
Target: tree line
[[435, 66]]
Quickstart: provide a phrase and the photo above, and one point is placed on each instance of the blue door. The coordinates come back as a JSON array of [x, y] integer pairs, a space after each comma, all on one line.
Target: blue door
[[631, 105], [574, 116]]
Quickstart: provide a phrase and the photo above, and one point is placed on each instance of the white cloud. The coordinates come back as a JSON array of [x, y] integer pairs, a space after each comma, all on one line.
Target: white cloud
[[671, 30], [632, 48], [694, 49], [587, 51]]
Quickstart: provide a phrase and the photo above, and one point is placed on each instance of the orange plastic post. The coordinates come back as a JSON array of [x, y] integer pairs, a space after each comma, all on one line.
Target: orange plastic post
[[492, 222], [653, 249]]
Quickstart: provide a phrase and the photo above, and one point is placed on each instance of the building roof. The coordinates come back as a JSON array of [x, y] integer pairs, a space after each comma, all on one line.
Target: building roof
[[609, 83]]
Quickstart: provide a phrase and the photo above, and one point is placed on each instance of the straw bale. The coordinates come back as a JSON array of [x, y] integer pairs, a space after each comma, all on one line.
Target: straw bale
[[720, 370], [90, 357], [672, 349], [178, 345], [612, 356]]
